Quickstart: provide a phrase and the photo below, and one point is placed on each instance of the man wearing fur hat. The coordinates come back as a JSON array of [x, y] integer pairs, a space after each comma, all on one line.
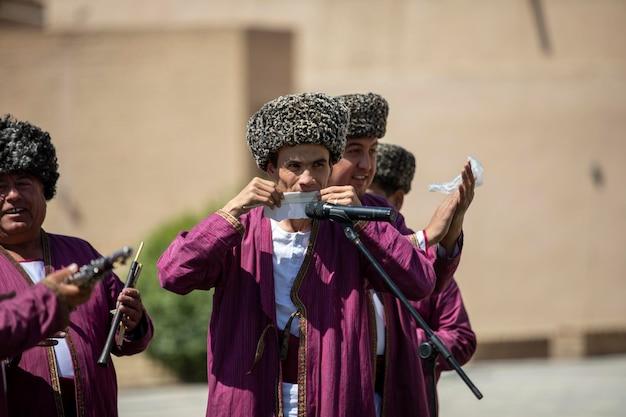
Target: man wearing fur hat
[[289, 331], [395, 330], [443, 311], [61, 379]]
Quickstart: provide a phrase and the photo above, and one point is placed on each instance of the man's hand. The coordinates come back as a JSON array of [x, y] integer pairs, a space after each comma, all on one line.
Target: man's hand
[[129, 302], [258, 192], [465, 195], [344, 195], [70, 294], [441, 220]]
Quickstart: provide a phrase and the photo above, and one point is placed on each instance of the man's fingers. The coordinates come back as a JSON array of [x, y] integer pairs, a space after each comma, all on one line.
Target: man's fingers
[[328, 190], [263, 197], [336, 189], [470, 176], [62, 274], [268, 188], [465, 177], [125, 300], [132, 314], [260, 182], [277, 196], [131, 292], [462, 194], [129, 309], [343, 199]]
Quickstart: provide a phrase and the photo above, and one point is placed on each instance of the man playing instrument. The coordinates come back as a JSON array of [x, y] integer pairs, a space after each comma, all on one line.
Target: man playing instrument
[[58, 380]]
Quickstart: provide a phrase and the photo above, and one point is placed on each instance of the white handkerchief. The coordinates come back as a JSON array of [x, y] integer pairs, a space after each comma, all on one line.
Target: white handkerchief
[[451, 186], [292, 206]]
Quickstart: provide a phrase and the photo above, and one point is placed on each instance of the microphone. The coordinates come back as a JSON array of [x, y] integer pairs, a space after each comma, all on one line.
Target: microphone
[[326, 211]]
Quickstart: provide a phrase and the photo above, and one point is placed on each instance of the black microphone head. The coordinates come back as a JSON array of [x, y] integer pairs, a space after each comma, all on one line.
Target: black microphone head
[[314, 209]]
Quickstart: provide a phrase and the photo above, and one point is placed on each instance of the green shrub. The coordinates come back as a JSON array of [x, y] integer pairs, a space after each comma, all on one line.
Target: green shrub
[[180, 322]]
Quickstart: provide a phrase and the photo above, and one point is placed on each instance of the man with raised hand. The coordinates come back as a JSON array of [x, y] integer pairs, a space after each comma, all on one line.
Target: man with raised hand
[[289, 333], [444, 311], [442, 240]]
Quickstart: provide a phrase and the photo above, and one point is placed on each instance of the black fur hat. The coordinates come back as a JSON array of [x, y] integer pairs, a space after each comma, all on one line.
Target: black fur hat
[[395, 168], [308, 118], [368, 115], [26, 148]]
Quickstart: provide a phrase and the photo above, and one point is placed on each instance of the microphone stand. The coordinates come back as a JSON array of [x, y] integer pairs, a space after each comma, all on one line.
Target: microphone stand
[[434, 344]]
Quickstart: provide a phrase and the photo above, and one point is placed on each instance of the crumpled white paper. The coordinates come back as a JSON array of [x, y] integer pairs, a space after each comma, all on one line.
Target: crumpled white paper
[[292, 206], [451, 186]]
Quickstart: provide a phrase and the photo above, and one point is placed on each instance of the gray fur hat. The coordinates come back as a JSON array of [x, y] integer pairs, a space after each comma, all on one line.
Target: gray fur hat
[[308, 118], [395, 168], [368, 115], [26, 148]]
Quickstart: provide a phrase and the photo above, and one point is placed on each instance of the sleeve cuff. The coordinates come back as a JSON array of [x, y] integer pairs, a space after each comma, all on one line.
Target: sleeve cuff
[[232, 220], [421, 240], [443, 253]]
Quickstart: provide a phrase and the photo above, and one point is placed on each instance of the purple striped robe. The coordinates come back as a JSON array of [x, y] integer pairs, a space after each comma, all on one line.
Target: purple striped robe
[[406, 383], [335, 375], [28, 318], [446, 314], [24, 321]]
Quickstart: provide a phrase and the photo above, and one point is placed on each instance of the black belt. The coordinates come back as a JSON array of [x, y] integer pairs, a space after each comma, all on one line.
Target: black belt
[[290, 362], [379, 382], [68, 393]]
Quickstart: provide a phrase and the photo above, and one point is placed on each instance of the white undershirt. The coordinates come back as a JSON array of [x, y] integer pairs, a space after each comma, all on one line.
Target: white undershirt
[[289, 249], [36, 272]]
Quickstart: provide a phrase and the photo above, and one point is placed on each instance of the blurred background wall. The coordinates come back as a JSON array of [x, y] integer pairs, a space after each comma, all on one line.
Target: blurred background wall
[[147, 103]]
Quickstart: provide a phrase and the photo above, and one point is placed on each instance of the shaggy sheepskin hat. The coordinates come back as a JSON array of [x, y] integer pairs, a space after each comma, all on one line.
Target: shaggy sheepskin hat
[[26, 148], [395, 168], [308, 118], [368, 115]]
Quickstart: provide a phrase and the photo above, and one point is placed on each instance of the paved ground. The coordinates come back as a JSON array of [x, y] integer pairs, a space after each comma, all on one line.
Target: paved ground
[[589, 388]]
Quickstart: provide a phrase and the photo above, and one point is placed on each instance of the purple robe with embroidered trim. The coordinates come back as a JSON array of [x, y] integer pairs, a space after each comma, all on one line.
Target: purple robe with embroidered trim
[[405, 388], [335, 354], [33, 383]]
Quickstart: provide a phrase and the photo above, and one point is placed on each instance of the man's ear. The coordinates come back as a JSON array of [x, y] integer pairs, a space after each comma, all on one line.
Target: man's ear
[[271, 169]]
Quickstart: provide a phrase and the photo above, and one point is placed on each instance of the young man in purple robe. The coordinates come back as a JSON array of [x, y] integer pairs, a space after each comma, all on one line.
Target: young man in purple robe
[[55, 379], [289, 333], [398, 368], [443, 311]]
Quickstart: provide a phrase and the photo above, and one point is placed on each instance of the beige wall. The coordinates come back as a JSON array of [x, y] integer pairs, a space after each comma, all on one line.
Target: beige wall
[[544, 254], [146, 125], [470, 79]]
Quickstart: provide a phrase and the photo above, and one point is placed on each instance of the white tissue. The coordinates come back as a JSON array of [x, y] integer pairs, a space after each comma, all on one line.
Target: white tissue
[[292, 206], [451, 186]]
